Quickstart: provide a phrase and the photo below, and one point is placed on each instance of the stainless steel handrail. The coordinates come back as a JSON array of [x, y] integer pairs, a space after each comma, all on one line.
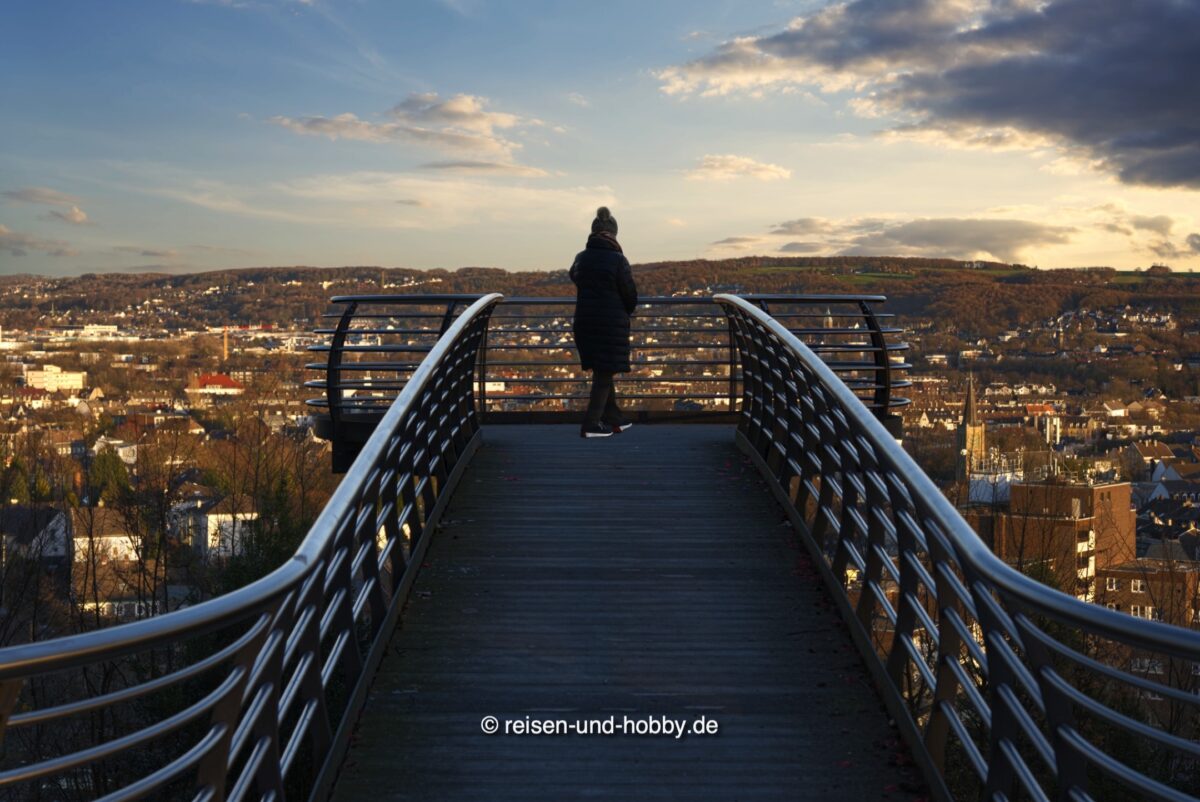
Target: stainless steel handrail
[[1003, 687], [683, 359], [292, 653]]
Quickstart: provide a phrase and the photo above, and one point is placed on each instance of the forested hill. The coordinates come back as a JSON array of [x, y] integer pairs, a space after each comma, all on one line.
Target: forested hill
[[965, 296]]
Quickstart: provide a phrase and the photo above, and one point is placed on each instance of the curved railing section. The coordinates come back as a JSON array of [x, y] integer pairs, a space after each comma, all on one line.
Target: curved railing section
[[253, 694], [1004, 688], [684, 362]]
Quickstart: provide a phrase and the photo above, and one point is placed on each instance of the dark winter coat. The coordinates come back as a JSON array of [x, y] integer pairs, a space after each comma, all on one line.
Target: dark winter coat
[[606, 297]]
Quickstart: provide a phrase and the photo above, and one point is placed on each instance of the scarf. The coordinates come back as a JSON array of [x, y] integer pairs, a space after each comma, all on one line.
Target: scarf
[[605, 241]]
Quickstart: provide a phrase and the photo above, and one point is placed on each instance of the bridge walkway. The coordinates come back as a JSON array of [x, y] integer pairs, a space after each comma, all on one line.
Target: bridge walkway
[[650, 574]]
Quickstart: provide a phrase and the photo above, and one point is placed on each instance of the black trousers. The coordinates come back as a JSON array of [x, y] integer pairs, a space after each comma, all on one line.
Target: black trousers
[[602, 403]]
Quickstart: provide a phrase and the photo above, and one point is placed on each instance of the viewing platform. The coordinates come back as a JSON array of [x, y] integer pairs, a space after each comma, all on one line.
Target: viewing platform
[[649, 574], [759, 553]]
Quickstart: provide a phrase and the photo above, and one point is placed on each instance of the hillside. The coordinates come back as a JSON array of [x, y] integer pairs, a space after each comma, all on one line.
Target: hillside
[[961, 296]]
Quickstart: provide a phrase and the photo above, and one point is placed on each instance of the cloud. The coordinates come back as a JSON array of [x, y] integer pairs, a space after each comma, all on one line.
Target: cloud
[[1107, 81], [960, 238], [376, 200], [726, 167], [578, 99], [802, 247], [148, 253], [223, 249], [1004, 239], [484, 167], [801, 227], [1146, 233], [459, 124], [44, 196], [74, 216], [1159, 224], [1188, 249], [736, 242], [41, 196], [17, 244]]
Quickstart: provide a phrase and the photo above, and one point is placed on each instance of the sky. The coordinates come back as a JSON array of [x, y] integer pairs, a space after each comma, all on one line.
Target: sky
[[183, 135]]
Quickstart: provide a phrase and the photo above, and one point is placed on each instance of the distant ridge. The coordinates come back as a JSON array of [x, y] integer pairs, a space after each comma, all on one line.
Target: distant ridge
[[969, 296]]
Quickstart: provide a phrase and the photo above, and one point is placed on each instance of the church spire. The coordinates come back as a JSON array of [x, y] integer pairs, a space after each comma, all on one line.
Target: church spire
[[972, 438], [970, 415]]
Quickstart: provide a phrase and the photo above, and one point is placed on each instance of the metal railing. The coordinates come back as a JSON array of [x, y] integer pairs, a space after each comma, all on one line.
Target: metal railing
[[253, 694], [683, 357], [1004, 688]]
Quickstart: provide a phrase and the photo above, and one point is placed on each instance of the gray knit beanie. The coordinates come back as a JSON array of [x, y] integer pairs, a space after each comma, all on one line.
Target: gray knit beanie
[[604, 223]]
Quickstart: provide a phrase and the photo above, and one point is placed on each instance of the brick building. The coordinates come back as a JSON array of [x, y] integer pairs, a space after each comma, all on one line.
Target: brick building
[[1063, 533]]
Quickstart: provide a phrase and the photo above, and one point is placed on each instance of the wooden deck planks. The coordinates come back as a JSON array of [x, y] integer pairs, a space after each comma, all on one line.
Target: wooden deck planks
[[647, 574]]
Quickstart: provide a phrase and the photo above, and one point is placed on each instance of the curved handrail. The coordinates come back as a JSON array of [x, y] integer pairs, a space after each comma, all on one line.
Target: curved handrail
[[973, 550], [683, 357], [342, 570], [861, 502]]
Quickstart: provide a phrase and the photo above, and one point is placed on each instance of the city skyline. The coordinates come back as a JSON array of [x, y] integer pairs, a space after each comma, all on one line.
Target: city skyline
[[195, 135]]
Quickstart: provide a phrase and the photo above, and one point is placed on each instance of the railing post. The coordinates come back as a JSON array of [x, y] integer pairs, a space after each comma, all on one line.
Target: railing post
[[733, 364], [448, 318], [268, 780], [212, 772], [482, 362], [333, 373], [883, 373]]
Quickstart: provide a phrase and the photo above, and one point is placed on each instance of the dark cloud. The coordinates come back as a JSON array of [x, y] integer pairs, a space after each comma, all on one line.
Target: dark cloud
[[1112, 80], [1159, 224], [802, 247], [1166, 249], [801, 227], [958, 238], [147, 253], [471, 166], [736, 241], [18, 244], [42, 196]]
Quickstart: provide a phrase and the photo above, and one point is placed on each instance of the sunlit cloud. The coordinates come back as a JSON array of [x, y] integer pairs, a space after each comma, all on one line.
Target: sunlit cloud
[[727, 167], [74, 216], [44, 196], [460, 124]]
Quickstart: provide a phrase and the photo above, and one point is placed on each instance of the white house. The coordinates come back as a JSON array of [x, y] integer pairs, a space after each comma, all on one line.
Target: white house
[[34, 531], [216, 527], [99, 535]]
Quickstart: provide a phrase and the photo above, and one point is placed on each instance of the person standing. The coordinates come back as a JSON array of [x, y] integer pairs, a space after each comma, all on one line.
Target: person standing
[[605, 299]]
